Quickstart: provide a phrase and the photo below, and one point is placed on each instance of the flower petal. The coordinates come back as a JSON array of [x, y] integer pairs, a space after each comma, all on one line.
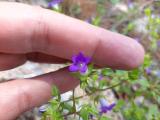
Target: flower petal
[[110, 107], [74, 59], [103, 102], [83, 69], [87, 60], [80, 57], [73, 68], [43, 108], [54, 2]]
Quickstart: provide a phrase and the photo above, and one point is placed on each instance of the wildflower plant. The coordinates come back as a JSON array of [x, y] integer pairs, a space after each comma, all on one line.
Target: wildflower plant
[[55, 5], [94, 82], [136, 92], [91, 84], [154, 27]]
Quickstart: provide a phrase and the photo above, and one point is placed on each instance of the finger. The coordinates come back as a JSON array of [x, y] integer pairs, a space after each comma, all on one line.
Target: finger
[[20, 95], [58, 35], [44, 58], [9, 61]]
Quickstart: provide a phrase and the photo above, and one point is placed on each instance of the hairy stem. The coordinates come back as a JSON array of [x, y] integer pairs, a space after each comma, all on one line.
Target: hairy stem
[[97, 90], [74, 102]]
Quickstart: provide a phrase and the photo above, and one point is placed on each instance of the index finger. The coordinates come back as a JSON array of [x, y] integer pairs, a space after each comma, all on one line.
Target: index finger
[[33, 29]]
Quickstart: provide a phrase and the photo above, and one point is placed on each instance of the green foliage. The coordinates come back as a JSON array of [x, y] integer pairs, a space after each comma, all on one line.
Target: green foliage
[[55, 92], [114, 1], [53, 112], [153, 113], [134, 112], [154, 27], [104, 118], [107, 72], [67, 106], [129, 28], [148, 12], [134, 74], [96, 21], [88, 110], [126, 85], [147, 61], [57, 8]]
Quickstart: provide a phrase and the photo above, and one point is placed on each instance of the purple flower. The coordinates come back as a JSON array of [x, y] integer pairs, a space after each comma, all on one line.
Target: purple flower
[[130, 3], [80, 63], [89, 20], [137, 39], [100, 77], [54, 3], [43, 108], [105, 107], [158, 43], [148, 71]]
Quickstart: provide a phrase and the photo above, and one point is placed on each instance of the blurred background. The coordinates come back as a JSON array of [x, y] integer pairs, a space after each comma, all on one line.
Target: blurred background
[[139, 19]]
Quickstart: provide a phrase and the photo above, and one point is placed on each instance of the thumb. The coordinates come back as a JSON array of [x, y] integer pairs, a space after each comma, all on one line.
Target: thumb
[[18, 96]]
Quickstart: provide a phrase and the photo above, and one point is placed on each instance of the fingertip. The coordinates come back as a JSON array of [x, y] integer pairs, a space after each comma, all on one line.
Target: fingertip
[[117, 51], [137, 57]]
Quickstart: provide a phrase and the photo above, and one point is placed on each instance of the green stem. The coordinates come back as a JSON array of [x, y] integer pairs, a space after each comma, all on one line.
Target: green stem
[[111, 86], [75, 113], [98, 90], [74, 102]]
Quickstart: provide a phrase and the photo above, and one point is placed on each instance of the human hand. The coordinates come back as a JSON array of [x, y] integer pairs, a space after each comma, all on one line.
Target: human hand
[[40, 35]]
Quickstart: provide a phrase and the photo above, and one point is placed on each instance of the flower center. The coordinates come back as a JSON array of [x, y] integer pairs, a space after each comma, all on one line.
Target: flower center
[[81, 65]]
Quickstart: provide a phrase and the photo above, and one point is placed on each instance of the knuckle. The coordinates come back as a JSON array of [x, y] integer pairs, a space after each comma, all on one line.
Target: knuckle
[[98, 39], [40, 35], [24, 99]]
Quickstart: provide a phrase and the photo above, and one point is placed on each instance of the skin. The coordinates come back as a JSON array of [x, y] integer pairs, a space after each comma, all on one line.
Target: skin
[[36, 34]]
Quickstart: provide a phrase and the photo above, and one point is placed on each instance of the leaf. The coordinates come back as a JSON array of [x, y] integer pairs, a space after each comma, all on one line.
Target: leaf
[[90, 68], [147, 12], [134, 112], [121, 74], [114, 1], [134, 74], [101, 1], [95, 77], [144, 84], [67, 106], [104, 118], [83, 78], [158, 20], [153, 112], [107, 72], [96, 21], [102, 83], [147, 61], [101, 10], [83, 85], [129, 28], [84, 114], [119, 104], [54, 104], [55, 92], [87, 110], [158, 99], [53, 112], [57, 8]]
